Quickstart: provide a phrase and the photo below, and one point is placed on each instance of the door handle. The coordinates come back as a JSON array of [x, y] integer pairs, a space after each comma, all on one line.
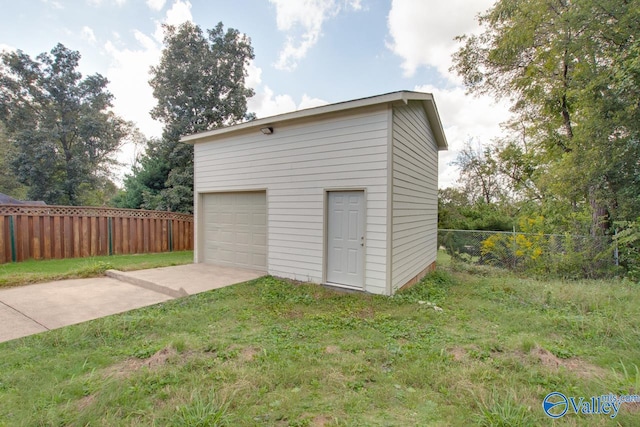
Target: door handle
[[362, 241]]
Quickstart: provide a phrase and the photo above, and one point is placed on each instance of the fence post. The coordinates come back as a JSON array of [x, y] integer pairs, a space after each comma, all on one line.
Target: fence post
[[12, 238], [515, 259], [170, 235], [615, 250], [110, 235]]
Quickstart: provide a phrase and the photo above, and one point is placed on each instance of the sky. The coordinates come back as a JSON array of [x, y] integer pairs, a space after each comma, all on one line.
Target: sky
[[307, 53]]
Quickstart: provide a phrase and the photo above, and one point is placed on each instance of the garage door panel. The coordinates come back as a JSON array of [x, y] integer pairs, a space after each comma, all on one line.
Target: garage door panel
[[236, 229], [226, 218], [259, 219], [227, 237], [259, 259], [259, 239]]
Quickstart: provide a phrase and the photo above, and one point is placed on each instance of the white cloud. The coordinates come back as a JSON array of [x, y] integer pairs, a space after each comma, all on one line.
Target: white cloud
[[178, 13], [128, 74], [88, 35], [156, 4], [7, 48], [265, 104], [423, 32], [302, 20], [464, 117], [254, 75], [356, 4], [129, 77], [97, 3], [54, 4], [308, 102]]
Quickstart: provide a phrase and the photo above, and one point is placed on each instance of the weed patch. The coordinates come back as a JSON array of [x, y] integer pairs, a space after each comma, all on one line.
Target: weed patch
[[273, 352]]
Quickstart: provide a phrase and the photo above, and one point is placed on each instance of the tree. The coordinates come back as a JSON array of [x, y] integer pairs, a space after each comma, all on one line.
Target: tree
[[9, 184], [199, 85], [570, 70], [143, 186], [479, 174], [59, 124], [457, 212]]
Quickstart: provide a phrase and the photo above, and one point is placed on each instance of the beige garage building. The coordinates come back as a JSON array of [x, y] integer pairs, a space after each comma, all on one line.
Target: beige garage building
[[344, 194]]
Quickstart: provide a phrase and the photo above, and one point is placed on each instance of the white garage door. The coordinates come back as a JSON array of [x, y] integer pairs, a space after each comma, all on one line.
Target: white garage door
[[235, 230]]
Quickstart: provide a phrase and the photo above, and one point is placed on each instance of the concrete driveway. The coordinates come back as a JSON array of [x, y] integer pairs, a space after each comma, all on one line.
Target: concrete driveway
[[31, 309]]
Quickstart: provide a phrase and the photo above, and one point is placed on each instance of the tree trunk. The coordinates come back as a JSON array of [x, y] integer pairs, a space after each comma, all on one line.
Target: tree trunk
[[599, 214]]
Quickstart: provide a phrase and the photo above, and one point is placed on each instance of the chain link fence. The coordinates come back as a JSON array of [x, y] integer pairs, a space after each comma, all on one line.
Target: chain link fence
[[564, 255]]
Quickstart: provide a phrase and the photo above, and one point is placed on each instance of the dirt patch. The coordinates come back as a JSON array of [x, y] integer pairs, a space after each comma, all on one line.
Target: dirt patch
[[320, 421], [367, 313], [129, 366], [458, 353], [574, 364], [295, 314], [248, 353], [85, 402], [160, 358], [332, 349], [632, 407]]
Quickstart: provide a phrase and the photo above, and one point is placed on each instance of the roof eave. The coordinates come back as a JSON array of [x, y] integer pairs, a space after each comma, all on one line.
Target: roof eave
[[404, 96]]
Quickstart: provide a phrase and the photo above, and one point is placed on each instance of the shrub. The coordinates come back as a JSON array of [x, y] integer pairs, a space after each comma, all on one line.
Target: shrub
[[627, 241]]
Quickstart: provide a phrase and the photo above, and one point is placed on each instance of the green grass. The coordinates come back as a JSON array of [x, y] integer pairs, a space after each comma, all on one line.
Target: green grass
[[269, 352], [21, 273]]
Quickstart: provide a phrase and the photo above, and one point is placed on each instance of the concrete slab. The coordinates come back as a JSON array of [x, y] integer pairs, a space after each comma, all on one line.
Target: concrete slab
[[14, 324], [28, 310], [66, 302], [186, 279]]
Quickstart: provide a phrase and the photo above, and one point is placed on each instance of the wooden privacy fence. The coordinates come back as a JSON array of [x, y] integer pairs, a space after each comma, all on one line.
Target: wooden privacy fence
[[54, 232]]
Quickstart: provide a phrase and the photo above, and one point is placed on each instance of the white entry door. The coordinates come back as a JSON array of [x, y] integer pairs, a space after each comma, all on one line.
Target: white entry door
[[345, 238]]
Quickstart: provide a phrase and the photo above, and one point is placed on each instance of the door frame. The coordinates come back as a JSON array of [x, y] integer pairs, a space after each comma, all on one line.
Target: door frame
[[325, 235]]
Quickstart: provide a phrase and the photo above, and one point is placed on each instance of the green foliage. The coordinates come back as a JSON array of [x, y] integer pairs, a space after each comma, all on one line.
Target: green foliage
[[457, 212], [534, 251], [60, 125], [627, 242], [252, 356], [9, 184], [201, 411], [478, 174], [33, 271], [199, 85], [571, 71], [433, 288], [143, 186], [504, 413]]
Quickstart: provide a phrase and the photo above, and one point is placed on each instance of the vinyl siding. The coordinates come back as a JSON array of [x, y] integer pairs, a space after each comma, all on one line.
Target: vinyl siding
[[296, 164], [415, 194]]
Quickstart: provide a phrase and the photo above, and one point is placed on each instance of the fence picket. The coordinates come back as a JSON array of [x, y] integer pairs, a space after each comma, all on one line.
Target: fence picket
[[55, 232]]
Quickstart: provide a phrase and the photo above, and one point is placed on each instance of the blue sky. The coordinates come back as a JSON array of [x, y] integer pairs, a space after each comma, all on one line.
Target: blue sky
[[307, 52]]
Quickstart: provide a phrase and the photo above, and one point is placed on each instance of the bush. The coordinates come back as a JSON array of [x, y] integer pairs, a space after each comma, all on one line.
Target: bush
[[627, 241], [559, 255]]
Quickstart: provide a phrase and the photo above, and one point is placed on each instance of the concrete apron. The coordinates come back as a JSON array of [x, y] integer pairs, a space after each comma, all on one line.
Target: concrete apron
[[31, 309]]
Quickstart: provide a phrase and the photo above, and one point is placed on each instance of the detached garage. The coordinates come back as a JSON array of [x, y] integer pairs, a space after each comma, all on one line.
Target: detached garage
[[343, 194]]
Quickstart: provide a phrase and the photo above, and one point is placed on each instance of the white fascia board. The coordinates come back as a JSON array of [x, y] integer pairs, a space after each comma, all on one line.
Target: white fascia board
[[273, 121]]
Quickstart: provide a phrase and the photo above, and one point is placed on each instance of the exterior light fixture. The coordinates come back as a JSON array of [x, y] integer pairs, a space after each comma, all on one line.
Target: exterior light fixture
[[267, 130]]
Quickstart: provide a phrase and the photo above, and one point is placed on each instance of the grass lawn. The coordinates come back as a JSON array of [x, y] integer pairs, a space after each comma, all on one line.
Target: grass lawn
[[21, 273], [269, 352]]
